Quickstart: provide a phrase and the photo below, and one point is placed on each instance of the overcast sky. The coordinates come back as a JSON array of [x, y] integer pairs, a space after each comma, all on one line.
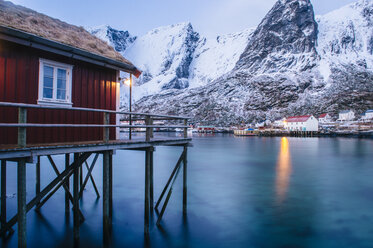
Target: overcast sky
[[209, 17]]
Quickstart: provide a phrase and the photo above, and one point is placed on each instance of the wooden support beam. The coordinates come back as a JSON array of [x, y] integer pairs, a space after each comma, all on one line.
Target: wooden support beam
[[67, 185], [37, 176], [62, 183], [147, 193], [169, 180], [22, 119], [76, 200], [185, 128], [46, 190], [89, 176], [105, 196], [111, 186], [21, 202], [151, 175], [147, 123], [3, 195], [185, 188], [106, 134], [168, 197]]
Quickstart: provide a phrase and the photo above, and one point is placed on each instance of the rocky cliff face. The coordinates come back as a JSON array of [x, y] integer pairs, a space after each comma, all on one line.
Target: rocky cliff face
[[293, 63]]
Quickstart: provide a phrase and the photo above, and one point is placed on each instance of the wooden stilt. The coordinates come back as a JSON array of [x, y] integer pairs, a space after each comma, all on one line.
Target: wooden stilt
[[151, 189], [147, 195], [3, 194], [110, 186], [21, 199], [67, 183], [76, 202], [37, 177], [105, 195], [185, 180]]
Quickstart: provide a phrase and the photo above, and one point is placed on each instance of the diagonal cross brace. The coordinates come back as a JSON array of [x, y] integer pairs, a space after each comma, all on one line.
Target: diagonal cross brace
[[46, 190], [89, 176], [63, 184], [168, 195], [170, 179]]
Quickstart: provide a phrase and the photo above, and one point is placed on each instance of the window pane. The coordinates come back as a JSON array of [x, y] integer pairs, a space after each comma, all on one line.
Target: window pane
[[48, 71], [48, 82], [61, 84], [61, 94], [61, 74], [48, 93]]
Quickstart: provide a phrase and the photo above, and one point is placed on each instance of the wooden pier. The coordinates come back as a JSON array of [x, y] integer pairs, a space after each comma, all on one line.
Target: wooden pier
[[23, 154]]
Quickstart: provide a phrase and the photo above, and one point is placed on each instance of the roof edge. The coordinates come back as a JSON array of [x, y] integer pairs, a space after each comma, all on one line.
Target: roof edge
[[31, 40]]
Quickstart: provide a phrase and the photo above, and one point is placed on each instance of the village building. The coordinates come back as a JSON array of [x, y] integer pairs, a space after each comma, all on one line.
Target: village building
[[279, 123], [48, 62], [368, 115], [346, 115], [325, 118], [304, 123]]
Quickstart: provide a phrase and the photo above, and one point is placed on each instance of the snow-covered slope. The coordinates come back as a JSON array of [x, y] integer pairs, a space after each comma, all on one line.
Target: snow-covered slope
[[215, 57], [164, 55], [292, 63], [346, 37]]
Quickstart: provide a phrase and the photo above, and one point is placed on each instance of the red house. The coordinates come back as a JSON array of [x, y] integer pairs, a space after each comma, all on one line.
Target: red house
[[46, 61]]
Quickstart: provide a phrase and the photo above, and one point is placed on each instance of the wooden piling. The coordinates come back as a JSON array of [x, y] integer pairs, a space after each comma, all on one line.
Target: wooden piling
[[3, 194], [111, 185], [22, 119], [151, 178], [21, 202], [76, 202], [67, 183], [185, 180], [147, 193], [37, 176], [105, 196]]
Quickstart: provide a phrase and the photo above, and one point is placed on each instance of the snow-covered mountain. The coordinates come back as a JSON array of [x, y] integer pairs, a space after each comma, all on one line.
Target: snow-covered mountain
[[292, 63]]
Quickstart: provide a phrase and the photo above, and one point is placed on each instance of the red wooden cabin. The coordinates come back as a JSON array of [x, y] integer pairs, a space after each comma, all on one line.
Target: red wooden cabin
[[48, 62]]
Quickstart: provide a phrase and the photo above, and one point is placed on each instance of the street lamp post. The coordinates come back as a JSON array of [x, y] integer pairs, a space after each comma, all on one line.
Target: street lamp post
[[130, 103]]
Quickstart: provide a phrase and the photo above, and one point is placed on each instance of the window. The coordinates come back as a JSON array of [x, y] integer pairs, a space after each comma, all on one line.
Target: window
[[54, 82]]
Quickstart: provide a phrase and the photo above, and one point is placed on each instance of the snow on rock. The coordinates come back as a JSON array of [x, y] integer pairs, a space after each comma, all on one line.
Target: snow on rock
[[120, 40], [164, 55]]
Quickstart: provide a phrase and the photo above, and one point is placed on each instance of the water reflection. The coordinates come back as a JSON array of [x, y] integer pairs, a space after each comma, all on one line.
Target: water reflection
[[283, 171]]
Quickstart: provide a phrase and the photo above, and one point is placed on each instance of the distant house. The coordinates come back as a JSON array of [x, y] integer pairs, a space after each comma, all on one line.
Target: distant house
[[46, 61], [325, 118], [368, 115], [304, 123], [279, 123], [346, 115]]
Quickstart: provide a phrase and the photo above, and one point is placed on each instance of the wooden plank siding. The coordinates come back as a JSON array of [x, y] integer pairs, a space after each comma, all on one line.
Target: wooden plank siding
[[92, 87]]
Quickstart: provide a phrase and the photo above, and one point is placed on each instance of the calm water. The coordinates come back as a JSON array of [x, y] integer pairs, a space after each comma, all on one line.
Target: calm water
[[243, 192]]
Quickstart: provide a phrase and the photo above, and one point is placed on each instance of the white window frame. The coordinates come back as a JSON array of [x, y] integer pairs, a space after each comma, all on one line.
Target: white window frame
[[54, 100]]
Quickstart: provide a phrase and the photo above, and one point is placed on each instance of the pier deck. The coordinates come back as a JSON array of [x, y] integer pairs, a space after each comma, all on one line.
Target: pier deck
[[77, 167]]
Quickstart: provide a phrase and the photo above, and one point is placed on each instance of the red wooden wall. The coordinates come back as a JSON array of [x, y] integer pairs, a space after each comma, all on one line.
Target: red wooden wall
[[92, 87]]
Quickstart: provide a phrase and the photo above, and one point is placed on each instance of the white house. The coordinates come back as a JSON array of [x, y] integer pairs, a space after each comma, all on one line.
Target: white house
[[279, 123], [325, 118], [304, 123], [368, 115], [346, 115]]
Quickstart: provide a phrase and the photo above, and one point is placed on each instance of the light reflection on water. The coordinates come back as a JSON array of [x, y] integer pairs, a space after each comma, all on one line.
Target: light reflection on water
[[283, 170], [242, 192]]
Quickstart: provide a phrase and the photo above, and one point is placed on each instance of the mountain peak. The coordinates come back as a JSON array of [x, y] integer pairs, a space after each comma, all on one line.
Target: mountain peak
[[288, 29]]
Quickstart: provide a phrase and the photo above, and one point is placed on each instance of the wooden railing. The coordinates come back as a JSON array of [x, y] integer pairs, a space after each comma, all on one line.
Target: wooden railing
[[22, 124]]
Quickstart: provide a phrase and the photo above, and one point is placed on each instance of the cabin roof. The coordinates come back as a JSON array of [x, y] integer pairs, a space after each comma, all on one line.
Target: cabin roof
[[323, 115], [369, 111], [18, 24], [301, 118]]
